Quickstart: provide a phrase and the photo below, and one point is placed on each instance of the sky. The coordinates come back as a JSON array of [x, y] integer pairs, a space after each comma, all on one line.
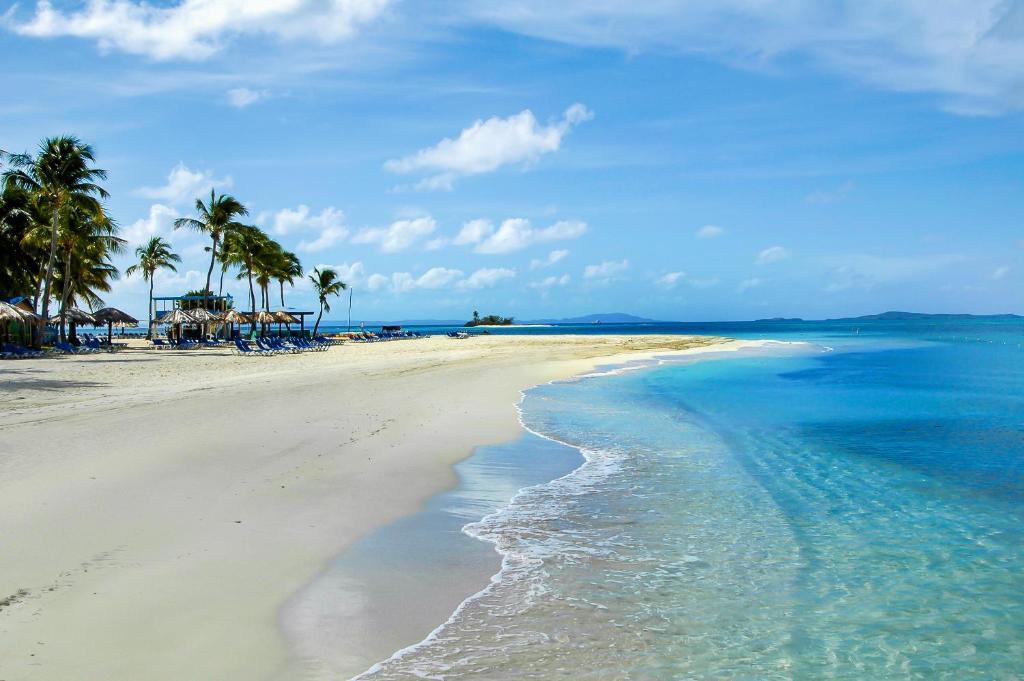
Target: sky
[[707, 160]]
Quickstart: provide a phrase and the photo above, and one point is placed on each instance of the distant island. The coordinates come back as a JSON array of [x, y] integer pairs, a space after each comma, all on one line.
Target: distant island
[[896, 316], [489, 320]]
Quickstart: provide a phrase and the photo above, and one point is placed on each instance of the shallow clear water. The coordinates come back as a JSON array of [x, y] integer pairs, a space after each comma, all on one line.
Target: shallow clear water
[[793, 512]]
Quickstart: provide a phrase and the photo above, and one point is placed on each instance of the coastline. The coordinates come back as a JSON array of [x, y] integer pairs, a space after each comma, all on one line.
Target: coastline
[[164, 507]]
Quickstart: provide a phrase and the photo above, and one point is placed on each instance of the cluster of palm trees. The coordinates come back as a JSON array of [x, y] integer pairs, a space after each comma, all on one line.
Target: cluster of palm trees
[[57, 240]]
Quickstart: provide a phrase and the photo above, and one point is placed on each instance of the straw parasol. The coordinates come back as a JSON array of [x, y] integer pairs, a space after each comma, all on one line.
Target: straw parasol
[[203, 316], [176, 316], [234, 317], [111, 315], [76, 315], [263, 317], [282, 317]]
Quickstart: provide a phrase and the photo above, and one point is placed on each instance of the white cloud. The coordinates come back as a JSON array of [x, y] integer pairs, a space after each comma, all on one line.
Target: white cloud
[[184, 185], [486, 277], [196, 29], [970, 52], [669, 280], [488, 145], [860, 271], [551, 282], [605, 270], [328, 225], [553, 257], [772, 254], [516, 234], [399, 236], [353, 274], [376, 282], [159, 223], [1000, 272], [709, 232], [241, 97], [473, 232], [748, 284], [437, 277]]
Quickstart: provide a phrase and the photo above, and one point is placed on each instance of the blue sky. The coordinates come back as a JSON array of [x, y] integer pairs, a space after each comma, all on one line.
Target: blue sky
[[724, 160]]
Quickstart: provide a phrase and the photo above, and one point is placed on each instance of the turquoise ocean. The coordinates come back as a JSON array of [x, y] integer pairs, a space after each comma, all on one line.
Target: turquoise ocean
[[847, 504]]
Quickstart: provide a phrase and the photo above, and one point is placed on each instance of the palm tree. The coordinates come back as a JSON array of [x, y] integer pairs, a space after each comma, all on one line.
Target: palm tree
[[154, 255], [19, 261], [61, 174], [290, 268], [243, 244], [217, 219], [325, 283], [83, 229]]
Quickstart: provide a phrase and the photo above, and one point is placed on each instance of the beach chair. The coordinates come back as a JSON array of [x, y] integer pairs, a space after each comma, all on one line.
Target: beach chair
[[159, 344], [18, 352], [242, 348], [65, 348]]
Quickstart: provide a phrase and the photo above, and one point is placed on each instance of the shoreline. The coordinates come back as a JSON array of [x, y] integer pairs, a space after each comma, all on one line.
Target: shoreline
[[172, 558], [636, 361]]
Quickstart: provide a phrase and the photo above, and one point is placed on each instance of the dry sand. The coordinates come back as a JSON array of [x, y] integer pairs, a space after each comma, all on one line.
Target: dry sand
[[158, 508]]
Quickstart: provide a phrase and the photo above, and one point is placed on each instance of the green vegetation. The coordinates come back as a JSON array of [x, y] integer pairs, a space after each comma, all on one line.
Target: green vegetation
[[154, 255], [57, 240], [490, 320], [326, 284]]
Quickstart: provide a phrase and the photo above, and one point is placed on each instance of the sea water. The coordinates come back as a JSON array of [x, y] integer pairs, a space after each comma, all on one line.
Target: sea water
[[848, 507]]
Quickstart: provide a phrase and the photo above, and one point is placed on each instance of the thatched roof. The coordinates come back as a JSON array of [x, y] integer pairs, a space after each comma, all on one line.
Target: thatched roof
[[202, 315], [10, 313], [264, 317], [176, 316], [75, 315], [283, 317], [111, 315], [235, 317]]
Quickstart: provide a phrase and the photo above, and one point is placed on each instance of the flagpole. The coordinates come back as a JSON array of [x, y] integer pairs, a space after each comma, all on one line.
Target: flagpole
[[350, 309]]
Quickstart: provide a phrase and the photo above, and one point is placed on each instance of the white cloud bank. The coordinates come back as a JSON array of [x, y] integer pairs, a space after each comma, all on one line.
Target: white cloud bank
[[197, 29], [184, 185], [399, 236], [710, 232], [555, 256], [515, 234], [158, 223], [487, 145], [322, 230], [970, 52]]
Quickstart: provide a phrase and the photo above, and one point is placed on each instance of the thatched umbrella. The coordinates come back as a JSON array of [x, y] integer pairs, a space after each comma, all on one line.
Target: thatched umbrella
[[75, 315], [234, 317], [111, 315], [176, 317], [283, 317], [262, 317]]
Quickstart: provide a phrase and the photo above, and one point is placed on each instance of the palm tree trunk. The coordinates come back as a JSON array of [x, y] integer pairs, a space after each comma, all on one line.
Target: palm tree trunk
[[209, 275], [66, 295], [317, 325], [48, 279], [252, 299], [282, 293], [150, 327]]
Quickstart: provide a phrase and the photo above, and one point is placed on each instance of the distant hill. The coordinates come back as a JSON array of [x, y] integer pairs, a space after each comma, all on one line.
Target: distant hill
[[896, 316], [605, 318]]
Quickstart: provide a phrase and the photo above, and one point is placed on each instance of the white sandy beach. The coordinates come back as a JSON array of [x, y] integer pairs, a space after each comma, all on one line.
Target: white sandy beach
[[159, 509]]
